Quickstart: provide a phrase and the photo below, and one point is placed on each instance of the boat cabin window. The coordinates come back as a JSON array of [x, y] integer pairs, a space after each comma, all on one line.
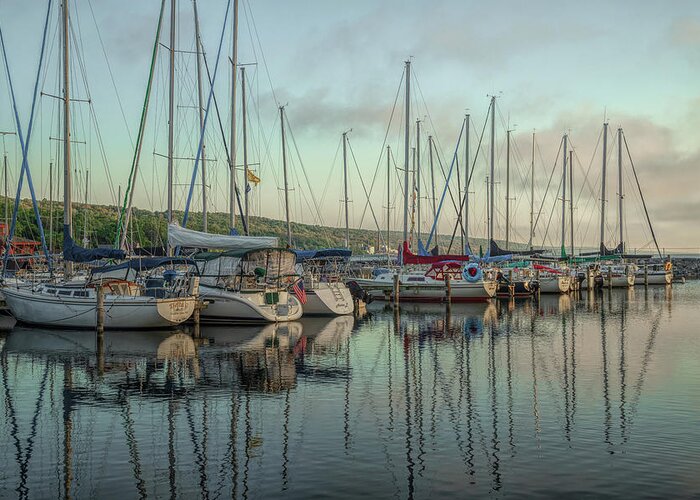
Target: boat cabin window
[[64, 292], [80, 294], [416, 278]]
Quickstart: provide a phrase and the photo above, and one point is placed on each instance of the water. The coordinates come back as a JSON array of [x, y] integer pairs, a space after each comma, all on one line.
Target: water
[[588, 397]]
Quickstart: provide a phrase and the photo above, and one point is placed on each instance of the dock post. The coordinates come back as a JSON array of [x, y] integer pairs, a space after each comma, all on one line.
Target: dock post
[[396, 290], [610, 278], [448, 291], [100, 353], [646, 275], [100, 309]]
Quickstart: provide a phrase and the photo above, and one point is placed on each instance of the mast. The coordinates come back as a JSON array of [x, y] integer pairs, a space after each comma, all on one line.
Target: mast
[[345, 184], [245, 150], [603, 193], [67, 184], [493, 159], [85, 221], [4, 164], [563, 197], [619, 188], [199, 49], [50, 206], [508, 188], [286, 185], [432, 184], [417, 173], [388, 196], [406, 150], [232, 152], [532, 193], [466, 183], [571, 200], [171, 113]]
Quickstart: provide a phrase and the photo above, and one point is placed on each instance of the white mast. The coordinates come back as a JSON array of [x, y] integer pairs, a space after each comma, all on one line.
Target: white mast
[[619, 187], [493, 159], [286, 185], [465, 209], [563, 195], [199, 51], [232, 144], [532, 193], [603, 193], [571, 200], [432, 185], [85, 221], [171, 115], [245, 151], [345, 184], [407, 151], [388, 197], [67, 184], [417, 174], [508, 188]]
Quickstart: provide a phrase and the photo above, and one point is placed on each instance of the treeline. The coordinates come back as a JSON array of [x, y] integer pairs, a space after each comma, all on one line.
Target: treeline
[[149, 229]]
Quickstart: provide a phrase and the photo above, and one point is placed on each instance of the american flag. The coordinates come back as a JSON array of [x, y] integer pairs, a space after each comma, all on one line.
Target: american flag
[[299, 291]]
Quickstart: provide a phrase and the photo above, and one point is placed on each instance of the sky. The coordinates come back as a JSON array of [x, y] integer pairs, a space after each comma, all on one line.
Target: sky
[[556, 67]]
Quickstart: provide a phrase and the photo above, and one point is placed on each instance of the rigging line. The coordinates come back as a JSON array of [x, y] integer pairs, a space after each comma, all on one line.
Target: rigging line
[[111, 74], [129, 194], [359, 174], [551, 214], [303, 169], [639, 187], [381, 151], [25, 145], [539, 211], [447, 186], [206, 117], [330, 172], [262, 55]]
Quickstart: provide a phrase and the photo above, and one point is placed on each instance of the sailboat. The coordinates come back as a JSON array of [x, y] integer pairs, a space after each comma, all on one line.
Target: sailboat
[[127, 303], [323, 270]]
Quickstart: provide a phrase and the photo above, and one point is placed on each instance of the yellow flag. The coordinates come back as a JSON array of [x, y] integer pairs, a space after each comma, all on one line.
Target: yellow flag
[[252, 178]]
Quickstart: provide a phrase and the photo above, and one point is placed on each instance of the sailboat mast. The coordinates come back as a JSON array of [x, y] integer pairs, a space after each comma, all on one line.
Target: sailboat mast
[[493, 168], [85, 220], [388, 196], [286, 185], [571, 199], [345, 185], [466, 183], [508, 188], [432, 184], [199, 49], [563, 196], [532, 193], [232, 152], [407, 150], [417, 173], [50, 206], [4, 166], [619, 188], [602, 190], [245, 150], [171, 113], [67, 184]]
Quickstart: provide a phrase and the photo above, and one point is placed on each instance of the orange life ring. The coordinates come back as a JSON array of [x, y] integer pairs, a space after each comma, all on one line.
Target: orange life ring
[[668, 266]]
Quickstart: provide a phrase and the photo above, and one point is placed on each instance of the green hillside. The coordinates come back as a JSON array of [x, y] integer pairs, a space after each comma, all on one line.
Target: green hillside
[[150, 229]]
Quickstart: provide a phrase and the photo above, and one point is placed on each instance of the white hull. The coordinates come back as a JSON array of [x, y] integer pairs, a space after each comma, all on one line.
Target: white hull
[[619, 281], [328, 299], [430, 290], [554, 284], [121, 311], [229, 306], [655, 278]]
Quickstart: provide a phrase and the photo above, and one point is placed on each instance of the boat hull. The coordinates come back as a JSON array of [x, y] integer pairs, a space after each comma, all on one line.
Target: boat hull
[[225, 306], [121, 311], [554, 284], [435, 291], [656, 278], [328, 299]]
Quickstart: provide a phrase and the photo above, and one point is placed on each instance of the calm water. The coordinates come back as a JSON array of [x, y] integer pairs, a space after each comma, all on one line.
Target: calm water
[[598, 396]]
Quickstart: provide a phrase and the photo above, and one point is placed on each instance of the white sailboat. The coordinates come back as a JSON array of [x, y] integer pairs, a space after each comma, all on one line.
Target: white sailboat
[[326, 293]]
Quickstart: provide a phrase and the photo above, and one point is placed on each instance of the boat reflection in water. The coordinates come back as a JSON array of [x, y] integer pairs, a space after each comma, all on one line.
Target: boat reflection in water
[[480, 398]]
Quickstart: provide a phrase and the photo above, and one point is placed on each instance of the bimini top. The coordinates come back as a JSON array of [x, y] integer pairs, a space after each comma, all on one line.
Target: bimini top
[[323, 253], [145, 264]]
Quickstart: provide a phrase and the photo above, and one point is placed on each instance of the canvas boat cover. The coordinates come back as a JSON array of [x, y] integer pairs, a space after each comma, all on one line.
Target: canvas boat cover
[[182, 237]]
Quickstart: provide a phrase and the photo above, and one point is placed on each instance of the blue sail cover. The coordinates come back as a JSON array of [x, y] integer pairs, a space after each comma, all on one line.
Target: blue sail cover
[[145, 264], [76, 253], [323, 253]]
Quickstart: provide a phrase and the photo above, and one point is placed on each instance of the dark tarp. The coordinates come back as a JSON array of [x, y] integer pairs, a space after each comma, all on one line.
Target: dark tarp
[[496, 251], [146, 264], [76, 253], [324, 253]]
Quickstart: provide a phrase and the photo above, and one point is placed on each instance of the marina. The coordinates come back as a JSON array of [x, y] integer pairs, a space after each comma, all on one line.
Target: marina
[[238, 261]]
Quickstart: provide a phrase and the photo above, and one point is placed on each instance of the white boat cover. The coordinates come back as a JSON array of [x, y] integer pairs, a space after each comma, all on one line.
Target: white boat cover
[[183, 237]]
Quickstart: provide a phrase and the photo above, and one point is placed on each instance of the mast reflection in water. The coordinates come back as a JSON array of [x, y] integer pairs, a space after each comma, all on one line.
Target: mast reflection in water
[[563, 395]]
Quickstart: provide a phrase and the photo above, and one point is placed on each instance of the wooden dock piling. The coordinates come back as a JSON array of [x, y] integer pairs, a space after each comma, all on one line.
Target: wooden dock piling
[[396, 290], [100, 309]]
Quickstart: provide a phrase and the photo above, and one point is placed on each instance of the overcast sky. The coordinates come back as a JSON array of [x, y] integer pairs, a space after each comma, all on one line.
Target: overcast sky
[[557, 67]]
